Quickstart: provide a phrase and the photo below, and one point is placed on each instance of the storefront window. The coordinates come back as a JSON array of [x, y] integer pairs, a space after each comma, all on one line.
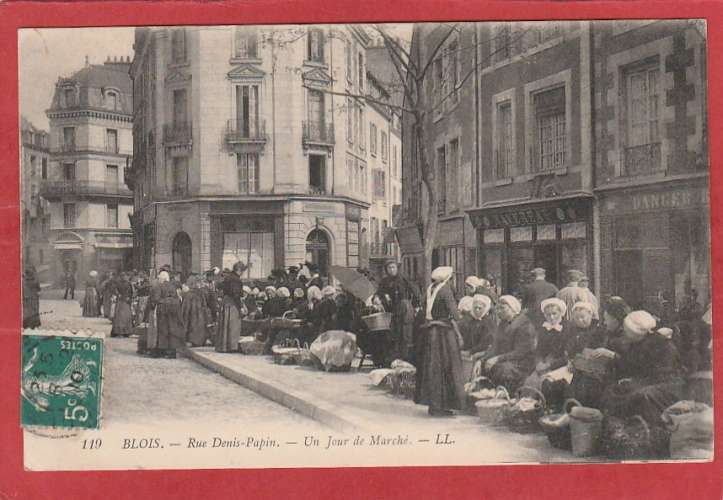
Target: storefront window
[[521, 234], [493, 263], [546, 232], [256, 249], [521, 262], [494, 236], [574, 256]]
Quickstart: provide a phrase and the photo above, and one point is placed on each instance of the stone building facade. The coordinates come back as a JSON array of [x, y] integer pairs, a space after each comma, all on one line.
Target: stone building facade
[[90, 145], [251, 144]]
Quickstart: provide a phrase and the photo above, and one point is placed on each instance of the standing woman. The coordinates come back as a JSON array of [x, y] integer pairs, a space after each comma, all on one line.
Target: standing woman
[[165, 304], [123, 319], [195, 312], [108, 289], [399, 296], [90, 301], [229, 317], [31, 299], [440, 381]]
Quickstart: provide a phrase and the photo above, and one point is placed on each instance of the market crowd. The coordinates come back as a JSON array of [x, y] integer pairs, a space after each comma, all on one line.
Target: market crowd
[[540, 337]]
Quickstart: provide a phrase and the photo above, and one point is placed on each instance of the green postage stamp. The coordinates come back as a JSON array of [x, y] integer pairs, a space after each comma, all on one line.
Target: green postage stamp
[[61, 381]]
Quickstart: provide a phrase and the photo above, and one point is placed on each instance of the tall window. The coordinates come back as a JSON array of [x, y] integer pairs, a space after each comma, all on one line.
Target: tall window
[[247, 110], [441, 180], [178, 45], [248, 173], [111, 215], [69, 215], [642, 152], [316, 108], [69, 138], [111, 140], [111, 100], [438, 86], [179, 176], [69, 171], [502, 42], [245, 42], [379, 183], [180, 107], [394, 161], [363, 178], [453, 70], [347, 57], [361, 71], [44, 169], [315, 45], [373, 139], [69, 97], [385, 147], [504, 152], [452, 172], [111, 177], [349, 120], [550, 141], [362, 128], [317, 174]]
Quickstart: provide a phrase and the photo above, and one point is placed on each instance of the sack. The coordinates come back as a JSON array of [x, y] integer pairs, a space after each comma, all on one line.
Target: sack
[[523, 416], [334, 349], [250, 345], [632, 439], [691, 426]]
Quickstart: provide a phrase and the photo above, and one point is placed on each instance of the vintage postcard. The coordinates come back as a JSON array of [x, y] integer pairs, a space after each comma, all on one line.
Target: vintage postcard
[[365, 245]]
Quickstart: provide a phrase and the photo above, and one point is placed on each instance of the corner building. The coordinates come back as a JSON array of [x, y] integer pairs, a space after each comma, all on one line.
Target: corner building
[[247, 147]]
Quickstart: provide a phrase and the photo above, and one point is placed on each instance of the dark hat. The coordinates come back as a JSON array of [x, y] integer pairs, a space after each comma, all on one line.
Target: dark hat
[[617, 308], [293, 269], [239, 267]]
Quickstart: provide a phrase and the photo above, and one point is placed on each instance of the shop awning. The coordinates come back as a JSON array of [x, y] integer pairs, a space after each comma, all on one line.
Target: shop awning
[[532, 212]]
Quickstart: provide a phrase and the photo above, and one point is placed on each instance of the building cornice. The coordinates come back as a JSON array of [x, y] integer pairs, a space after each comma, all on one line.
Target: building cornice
[[89, 113]]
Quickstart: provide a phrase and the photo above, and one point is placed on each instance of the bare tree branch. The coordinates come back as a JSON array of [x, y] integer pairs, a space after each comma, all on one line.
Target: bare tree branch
[[433, 55], [365, 97]]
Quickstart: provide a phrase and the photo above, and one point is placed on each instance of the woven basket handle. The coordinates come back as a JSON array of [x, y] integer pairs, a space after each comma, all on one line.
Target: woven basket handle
[[645, 426], [570, 404], [541, 396], [502, 389]]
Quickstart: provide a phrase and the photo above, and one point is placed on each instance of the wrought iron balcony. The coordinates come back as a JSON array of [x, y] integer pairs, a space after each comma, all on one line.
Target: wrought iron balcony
[[238, 132], [66, 147], [59, 189], [317, 134], [178, 133], [641, 160], [317, 190]]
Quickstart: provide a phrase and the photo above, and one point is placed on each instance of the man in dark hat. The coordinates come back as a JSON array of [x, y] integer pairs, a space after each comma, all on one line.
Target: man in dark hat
[[399, 296], [534, 293], [315, 279], [292, 281]]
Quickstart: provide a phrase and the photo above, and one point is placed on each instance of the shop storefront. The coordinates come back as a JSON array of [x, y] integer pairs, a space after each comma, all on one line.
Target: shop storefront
[[513, 240], [655, 244]]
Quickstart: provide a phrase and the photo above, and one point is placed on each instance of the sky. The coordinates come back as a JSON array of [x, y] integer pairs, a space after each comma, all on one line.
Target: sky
[[47, 54]]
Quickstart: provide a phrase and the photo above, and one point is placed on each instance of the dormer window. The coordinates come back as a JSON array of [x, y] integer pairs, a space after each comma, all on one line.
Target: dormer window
[[111, 99], [245, 42], [69, 97]]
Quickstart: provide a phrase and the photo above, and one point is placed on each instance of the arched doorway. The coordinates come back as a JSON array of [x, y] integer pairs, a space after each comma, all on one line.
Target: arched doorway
[[317, 250], [182, 254]]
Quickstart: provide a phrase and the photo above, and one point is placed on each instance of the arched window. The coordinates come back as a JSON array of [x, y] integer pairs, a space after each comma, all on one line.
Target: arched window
[[182, 254]]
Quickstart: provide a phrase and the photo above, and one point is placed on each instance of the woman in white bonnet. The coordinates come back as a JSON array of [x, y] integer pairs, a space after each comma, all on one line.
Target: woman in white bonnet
[[439, 377], [648, 373], [477, 325]]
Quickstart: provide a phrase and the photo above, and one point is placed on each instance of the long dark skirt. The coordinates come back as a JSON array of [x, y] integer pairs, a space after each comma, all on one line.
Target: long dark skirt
[[439, 378], [31, 312], [402, 331], [166, 333], [196, 317], [648, 401], [510, 374], [122, 320], [228, 327], [107, 303], [90, 302]]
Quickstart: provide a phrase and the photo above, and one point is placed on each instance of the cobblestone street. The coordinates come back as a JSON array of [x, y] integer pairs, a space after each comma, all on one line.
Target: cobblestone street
[[158, 391]]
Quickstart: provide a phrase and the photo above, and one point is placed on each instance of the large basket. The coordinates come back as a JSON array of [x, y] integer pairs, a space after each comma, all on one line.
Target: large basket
[[286, 322], [598, 368], [556, 426], [250, 346], [378, 321], [525, 419], [252, 326], [492, 411]]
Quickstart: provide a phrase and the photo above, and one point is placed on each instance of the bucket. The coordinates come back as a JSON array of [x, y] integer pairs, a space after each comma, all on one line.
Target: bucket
[[585, 430]]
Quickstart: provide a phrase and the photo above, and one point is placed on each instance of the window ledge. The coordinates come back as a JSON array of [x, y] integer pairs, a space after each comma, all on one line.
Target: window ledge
[[175, 65], [316, 64], [247, 60], [503, 182]]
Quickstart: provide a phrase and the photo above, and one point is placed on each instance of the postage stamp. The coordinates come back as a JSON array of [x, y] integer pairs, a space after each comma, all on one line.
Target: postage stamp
[[61, 381]]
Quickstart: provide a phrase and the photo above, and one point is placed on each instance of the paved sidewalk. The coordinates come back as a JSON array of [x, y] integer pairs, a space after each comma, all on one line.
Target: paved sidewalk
[[348, 402]]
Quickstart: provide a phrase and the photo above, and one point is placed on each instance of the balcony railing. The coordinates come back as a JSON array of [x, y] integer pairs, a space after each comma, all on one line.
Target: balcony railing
[[501, 165], [67, 147], [111, 148], [57, 189], [235, 133], [317, 190], [178, 133], [641, 160], [316, 133]]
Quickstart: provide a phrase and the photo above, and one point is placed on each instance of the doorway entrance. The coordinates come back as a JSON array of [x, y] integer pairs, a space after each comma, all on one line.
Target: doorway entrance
[[317, 250], [629, 276], [546, 258], [182, 254]]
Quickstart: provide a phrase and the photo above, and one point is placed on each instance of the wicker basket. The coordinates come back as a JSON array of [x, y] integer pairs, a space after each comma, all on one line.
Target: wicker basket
[[492, 411], [522, 418], [378, 321], [286, 322], [596, 367]]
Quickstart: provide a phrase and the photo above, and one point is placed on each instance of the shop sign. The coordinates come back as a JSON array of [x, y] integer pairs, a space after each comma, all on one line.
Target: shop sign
[[410, 240], [325, 208], [677, 198], [530, 216]]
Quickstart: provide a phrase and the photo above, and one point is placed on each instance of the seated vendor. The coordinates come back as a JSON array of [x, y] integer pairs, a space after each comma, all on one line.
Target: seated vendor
[[551, 341], [477, 325], [647, 371], [511, 357]]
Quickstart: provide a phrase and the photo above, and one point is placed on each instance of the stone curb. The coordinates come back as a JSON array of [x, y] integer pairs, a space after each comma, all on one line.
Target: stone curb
[[306, 404]]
